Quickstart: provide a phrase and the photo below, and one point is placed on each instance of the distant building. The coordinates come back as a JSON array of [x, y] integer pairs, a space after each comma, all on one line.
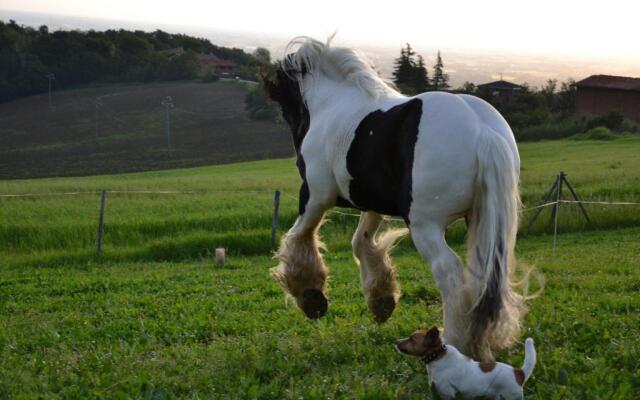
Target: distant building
[[207, 62], [174, 52], [599, 94], [500, 91], [220, 66]]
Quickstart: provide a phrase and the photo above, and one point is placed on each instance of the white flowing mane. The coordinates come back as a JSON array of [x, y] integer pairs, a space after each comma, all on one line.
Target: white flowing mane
[[337, 63]]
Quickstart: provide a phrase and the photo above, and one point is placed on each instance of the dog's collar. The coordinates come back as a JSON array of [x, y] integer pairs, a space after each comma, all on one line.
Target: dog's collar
[[434, 354]]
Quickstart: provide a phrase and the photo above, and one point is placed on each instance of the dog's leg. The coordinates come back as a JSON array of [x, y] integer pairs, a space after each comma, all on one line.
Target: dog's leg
[[448, 273], [377, 274]]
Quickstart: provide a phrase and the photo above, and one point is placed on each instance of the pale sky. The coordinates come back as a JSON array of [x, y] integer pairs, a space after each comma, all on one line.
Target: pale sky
[[606, 29]]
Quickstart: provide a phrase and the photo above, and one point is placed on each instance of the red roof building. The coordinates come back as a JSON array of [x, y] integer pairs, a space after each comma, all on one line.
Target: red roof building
[[599, 94], [207, 61], [220, 66]]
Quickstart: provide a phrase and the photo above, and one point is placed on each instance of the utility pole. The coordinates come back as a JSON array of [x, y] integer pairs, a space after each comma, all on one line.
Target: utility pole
[[98, 103], [50, 77], [168, 104]]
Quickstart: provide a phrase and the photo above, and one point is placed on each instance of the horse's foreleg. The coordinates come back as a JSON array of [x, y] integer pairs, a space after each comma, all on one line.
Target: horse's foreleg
[[378, 276], [301, 272], [448, 273]]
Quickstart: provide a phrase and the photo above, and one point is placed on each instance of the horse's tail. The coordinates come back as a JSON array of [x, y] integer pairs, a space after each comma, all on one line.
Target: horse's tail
[[495, 307]]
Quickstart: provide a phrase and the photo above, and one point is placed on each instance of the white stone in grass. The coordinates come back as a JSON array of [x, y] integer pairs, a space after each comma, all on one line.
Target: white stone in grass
[[220, 256]]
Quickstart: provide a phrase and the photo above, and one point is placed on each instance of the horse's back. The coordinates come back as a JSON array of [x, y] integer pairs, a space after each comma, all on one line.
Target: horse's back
[[445, 161]]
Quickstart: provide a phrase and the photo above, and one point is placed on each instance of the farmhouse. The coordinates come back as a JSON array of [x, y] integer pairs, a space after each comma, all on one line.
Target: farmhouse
[[220, 66], [502, 91], [207, 61], [599, 94]]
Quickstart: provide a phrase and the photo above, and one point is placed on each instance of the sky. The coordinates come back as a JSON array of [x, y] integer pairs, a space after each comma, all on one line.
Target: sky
[[601, 35], [577, 28]]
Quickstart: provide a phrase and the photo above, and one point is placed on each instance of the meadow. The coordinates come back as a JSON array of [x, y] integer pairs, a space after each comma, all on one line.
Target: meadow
[[153, 318]]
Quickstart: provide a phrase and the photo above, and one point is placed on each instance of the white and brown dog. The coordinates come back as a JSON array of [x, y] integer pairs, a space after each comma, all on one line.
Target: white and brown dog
[[454, 375]]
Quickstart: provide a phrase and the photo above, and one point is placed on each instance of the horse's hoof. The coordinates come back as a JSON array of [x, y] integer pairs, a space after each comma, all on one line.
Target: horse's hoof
[[314, 303], [382, 308]]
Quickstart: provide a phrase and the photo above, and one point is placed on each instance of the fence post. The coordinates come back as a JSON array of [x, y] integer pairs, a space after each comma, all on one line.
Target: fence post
[[274, 224], [546, 198], [556, 211], [101, 223]]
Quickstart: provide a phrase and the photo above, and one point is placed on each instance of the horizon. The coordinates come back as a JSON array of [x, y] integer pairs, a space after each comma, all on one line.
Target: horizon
[[474, 64]]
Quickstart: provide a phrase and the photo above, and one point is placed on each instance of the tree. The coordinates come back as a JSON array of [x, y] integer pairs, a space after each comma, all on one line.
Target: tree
[[404, 69], [421, 77], [567, 96], [440, 80], [467, 87], [258, 106], [262, 55], [548, 92]]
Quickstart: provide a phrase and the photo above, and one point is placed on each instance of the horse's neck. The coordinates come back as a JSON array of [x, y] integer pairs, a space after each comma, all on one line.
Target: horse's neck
[[339, 98]]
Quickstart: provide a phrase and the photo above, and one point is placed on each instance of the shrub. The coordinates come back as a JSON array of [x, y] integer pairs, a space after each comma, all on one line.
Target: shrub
[[258, 106], [210, 76], [558, 129], [597, 133], [612, 120]]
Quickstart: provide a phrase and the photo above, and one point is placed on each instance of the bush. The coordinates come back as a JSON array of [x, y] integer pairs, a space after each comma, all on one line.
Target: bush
[[210, 77], [258, 106], [612, 120], [597, 133], [562, 128]]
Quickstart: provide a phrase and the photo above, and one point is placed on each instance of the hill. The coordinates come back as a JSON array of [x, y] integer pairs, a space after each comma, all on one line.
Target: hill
[[32, 58], [209, 125]]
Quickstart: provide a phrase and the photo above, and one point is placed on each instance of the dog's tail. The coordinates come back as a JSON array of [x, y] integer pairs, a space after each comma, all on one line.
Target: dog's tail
[[529, 358]]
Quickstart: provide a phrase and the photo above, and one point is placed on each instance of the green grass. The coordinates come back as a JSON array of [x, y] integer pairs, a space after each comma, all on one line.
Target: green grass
[[152, 318]]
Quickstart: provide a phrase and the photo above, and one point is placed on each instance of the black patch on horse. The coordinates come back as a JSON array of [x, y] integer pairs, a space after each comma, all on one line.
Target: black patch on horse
[[285, 90], [380, 159]]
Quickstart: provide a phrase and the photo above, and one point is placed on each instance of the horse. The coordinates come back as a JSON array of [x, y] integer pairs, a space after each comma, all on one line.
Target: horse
[[429, 159]]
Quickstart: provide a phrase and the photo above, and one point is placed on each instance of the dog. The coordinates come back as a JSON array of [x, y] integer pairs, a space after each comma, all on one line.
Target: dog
[[454, 375]]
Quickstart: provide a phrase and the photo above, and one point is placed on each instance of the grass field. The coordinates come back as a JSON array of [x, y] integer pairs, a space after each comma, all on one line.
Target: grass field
[[152, 318], [208, 123]]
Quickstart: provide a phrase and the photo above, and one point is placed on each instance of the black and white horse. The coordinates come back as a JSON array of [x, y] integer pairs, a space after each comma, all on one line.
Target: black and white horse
[[430, 159]]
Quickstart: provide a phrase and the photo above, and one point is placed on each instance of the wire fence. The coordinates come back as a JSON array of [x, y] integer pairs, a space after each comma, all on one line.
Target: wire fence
[[276, 204]]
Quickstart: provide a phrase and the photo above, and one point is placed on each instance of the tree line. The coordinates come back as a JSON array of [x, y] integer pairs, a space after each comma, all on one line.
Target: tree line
[[28, 55], [410, 74]]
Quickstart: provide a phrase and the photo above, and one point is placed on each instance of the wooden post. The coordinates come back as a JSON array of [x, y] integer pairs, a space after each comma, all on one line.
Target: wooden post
[[555, 206], [101, 222], [556, 211], [274, 224], [575, 196], [546, 198]]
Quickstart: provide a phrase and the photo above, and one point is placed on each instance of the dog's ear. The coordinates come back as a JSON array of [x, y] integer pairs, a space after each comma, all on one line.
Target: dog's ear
[[433, 334]]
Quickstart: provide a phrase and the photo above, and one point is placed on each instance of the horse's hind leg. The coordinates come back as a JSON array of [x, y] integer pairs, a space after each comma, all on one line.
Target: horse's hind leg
[[377, 273], [448, 273], [301, 272]]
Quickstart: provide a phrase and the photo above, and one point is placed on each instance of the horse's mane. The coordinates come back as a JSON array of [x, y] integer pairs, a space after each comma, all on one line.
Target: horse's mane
[[338, 63]]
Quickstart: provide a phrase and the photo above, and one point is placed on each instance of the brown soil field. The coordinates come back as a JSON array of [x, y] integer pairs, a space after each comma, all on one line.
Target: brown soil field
[[209, 125]]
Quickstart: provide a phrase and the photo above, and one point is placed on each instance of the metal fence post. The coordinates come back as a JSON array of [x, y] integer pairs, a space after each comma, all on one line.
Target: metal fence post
[[101, 223], [274, 224]]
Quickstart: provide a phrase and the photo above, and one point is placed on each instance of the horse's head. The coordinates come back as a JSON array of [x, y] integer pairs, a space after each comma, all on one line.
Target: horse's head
[[283, 87]]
